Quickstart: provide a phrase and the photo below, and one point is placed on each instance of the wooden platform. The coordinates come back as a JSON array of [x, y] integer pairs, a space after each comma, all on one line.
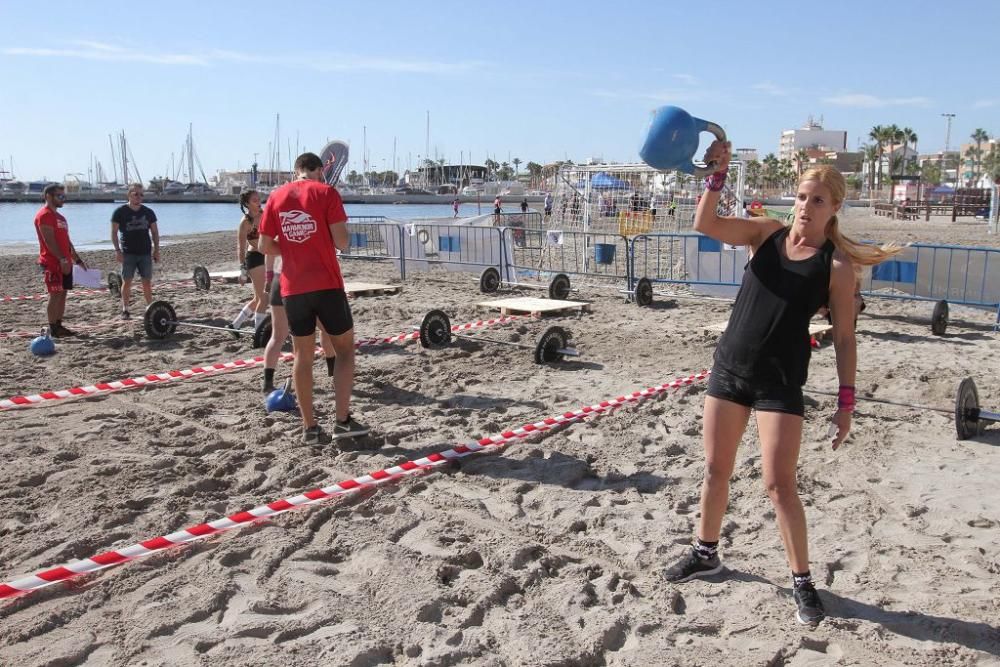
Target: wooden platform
[[225, 276], [816, 329], [371, 289], [529, 305]]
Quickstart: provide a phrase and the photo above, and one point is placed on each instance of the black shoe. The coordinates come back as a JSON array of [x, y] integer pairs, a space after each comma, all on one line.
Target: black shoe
[[125, 315], [268, 388], [351, 428], [810, 607], [59, 331], [691, 566], [233, 330], [314, 435]]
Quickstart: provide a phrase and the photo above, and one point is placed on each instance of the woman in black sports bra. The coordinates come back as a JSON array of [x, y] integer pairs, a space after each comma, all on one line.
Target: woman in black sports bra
[[251, 260], [762, 359]]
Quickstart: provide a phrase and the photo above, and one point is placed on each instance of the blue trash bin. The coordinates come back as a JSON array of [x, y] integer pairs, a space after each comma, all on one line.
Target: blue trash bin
[[604, 253]]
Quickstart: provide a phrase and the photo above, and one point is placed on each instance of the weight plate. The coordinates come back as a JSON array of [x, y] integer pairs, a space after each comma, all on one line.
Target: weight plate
[[159, 320], [549, 343], [435, 329], [559, 286], [114, 283], [967, 424], [489, 280], [262, 333], [644, 292], [202, 280], [939, 320]]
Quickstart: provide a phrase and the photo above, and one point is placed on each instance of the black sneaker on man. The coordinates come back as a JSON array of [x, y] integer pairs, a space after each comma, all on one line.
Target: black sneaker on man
[[809, 607], [125, 315], [233, 330], [314, 435], [691, 566], [57, 330], [351, 428]]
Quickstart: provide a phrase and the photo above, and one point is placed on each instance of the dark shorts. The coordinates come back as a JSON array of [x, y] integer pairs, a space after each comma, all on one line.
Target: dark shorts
[[330, 307], [275, 294], [763, 397], [254, 259], [141, 263], [55, 280]]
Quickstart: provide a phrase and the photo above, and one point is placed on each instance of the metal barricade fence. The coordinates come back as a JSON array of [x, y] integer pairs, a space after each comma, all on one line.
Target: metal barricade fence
[[468, 248], [373, 239], [688, 259], [542, 253], [924, 272]]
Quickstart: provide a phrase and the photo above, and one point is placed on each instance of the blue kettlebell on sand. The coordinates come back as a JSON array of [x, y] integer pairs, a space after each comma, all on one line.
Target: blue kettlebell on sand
[[672, 141], [281, 400], [42, 346]]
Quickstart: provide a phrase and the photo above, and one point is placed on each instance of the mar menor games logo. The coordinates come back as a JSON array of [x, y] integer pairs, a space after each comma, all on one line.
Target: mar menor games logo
[[297, 226]]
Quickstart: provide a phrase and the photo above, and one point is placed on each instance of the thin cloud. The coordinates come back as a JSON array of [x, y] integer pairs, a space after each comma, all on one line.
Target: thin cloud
[[99, 51], [689, 79], [770, 88], [985, 104], [664, 96], [866, 101]]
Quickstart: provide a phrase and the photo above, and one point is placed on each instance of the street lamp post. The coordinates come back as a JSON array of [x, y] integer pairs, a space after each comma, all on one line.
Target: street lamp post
[[947, 141]]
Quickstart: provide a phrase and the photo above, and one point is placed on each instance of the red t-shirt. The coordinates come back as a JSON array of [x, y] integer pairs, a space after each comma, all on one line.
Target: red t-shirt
[[299, 214], [46, 217]]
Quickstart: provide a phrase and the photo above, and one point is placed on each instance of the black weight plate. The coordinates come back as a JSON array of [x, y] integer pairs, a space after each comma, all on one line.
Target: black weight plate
[[559, 286], [435, 329], [262, 333], [939, 320], [644, 292], [489, 280], [967, 424], [202, 280], [114, 283], [159, 320], [551, 340]]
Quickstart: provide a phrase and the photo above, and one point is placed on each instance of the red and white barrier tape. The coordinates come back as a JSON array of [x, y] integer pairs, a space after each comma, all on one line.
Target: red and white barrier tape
[[145, 548], [200, 371]]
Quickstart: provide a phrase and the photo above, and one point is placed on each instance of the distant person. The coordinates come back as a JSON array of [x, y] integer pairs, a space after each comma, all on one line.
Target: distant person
[[454, 207], [251, 261], [524, 205], [548, 205], [304, 221], [56, 256], [636, 202], [137, 244], [497, 210]]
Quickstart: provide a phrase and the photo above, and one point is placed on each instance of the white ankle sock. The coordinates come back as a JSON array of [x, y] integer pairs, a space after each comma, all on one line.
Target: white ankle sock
[[243, 316], [257, 319]]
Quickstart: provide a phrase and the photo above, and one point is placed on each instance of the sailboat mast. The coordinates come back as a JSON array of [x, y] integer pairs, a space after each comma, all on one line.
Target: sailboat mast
[[190, 155], [114, 160]]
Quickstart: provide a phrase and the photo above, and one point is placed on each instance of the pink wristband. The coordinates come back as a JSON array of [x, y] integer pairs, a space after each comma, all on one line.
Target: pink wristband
[[845, 398], [716, 181]]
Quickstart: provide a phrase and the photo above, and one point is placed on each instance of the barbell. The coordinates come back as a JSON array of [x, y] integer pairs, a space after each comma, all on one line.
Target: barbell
[[160, 322], [551, 346], [202, 280], [490, 281], [970, 418]]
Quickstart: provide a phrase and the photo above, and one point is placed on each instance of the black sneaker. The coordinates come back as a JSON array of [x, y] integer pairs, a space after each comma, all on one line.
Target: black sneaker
[[59, 331], [351, 428], [233, 330], [691, 566], [314, 435], [268, 388], [125, 315], [810, 607]]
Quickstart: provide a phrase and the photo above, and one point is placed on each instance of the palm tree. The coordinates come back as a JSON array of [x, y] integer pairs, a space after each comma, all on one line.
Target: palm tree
[[753, 173], [877, 135], [801, 157], [979, 135], [770, 169], [909, 137], [894, 136], [517, 163], [871, 156]]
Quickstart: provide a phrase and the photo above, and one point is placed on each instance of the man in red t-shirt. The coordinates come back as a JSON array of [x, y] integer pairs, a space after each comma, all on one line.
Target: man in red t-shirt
[[56, 256], [303, 221]]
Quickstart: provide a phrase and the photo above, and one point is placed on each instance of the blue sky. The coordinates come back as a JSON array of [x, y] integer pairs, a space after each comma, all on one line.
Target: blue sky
[[537, 80]]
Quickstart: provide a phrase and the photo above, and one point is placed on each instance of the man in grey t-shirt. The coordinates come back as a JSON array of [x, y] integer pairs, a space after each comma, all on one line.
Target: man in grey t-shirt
[[137, 244]]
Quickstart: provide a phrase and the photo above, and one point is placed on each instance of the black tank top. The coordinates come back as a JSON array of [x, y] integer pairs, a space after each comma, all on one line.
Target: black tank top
[[767, 339]]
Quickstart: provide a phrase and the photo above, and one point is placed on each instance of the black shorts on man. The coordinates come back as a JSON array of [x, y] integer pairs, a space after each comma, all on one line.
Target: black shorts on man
[[329, 306]]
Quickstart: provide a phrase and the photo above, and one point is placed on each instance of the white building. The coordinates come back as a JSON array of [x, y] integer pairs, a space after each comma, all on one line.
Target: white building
[[810, 135]]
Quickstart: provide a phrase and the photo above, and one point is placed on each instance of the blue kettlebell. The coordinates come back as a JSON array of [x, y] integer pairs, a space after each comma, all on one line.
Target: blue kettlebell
[[672, 141], [42, 346], [281, 400]]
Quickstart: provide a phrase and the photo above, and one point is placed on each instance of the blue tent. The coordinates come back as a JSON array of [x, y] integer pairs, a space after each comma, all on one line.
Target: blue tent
[[943, 190], [604, 181]]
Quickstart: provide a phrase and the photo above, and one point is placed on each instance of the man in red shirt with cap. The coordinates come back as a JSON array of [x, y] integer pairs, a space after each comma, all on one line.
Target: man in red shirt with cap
[[304, 221], [56, 256]]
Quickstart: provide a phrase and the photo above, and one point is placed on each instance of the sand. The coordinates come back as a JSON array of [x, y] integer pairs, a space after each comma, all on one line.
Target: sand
[[546, 553]]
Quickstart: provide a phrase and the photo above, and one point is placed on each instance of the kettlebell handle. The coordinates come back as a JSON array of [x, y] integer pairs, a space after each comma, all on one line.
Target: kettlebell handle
[[720, 134]]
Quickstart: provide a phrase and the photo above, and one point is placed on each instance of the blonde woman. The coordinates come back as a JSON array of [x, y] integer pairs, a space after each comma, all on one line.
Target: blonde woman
[[251, 260], [762, 359]]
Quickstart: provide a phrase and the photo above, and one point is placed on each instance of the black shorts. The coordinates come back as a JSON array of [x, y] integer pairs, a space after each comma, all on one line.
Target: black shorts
[[254, 259], [763, 397], [275, 295], [330, 307]]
